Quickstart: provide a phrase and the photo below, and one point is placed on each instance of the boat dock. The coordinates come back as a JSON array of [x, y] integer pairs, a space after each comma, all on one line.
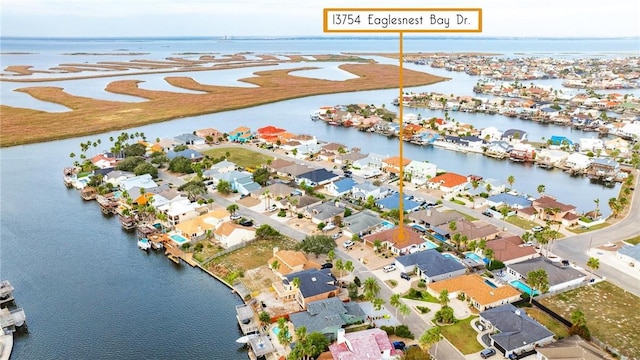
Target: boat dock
[[6, 293], [12, 319]]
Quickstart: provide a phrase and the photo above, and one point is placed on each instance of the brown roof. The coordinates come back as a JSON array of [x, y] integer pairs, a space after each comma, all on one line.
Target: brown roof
[[390, 236], [280, 163], [333, 147], [471, 230], [510, 248], [547, 202], [474, 286], [528, 210], [572, 348], [289, 259]]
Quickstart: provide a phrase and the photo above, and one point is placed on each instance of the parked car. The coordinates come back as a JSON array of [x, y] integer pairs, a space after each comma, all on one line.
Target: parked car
[[389, 268], [329, 227], [537, 228], [487, 353], [337, 235], [399, 345], [326, 266], [246, 222], [405, 276], [235, 216], [348, 244], [487, 213]]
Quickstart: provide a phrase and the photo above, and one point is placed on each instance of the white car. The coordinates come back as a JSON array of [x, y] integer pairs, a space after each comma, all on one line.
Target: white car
[[537, 228], [389, 268], [329, 227], [336, 236], [235, 216], [348, 244]]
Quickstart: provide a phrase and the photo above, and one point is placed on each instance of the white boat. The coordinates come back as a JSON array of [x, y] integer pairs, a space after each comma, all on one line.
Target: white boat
[[155, 245], [144, 244], [245, 339]]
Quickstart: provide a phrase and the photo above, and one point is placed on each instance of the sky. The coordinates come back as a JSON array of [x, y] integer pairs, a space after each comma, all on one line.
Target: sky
[[133, 18]]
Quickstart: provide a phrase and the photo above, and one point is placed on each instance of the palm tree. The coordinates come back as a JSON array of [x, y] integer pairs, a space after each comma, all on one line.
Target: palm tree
[[267, 196], [615, 207], [331, 255], [348, 266], [593, 263], [443, 298], [371, 288], [275, 265], [378, 303], [538, 280], [541, 189], [431, 337], [339, 266], [394, 301], [283, 335], [233, 208], [597, 214], [293, 203], [405, 311], [511, 179]]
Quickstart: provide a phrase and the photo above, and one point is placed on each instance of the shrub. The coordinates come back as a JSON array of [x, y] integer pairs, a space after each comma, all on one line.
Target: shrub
[[495, 265], [388, 329], [300, 215], [423, 309], [422, 285], [282, 213], [357, 281], [404, 332], [461, 296], [393, 282], [198, 246]]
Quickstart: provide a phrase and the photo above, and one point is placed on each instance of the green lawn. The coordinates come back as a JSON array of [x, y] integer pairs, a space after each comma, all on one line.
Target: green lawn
[[420, 294], [462, 336], [612, 314], [242, 157], [578, 230], [550, 323], [634, 240], [520, 222], [466, 216]]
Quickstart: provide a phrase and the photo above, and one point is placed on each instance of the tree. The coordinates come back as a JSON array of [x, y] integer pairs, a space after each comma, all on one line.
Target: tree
[[264, 318], [430, 337], [296, 282], [378, 303], [348, 266], [283, 336], [597, 211], [615, 207], [511, 179], [146, 168], [347, 212], [339, 266], [267, 196], [317, 244], [453, 226], [266, 232], [593, 263], [579, 326], [308, 346], [443, 298], [405, 311], [371, 288], [541, 189], [394, 301], [352, 288], [445, 315], [261, 176], [180, 164], [224, 187], [538, 280], [331, 255], [129, 164], [275, 265], [136, 149], [233, 208]]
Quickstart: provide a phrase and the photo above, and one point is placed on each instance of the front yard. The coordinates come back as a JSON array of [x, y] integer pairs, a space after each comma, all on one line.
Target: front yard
[[242, 157], [520, 222], [581, 230], [612, 314], [462, 336]]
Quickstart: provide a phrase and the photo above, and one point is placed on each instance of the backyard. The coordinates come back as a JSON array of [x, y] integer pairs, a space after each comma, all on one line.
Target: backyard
[[612, 314], [550, 323], [242, 157], [462, 336]]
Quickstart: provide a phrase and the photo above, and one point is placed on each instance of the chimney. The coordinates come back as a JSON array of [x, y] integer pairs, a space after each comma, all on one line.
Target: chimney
[[275, 250]]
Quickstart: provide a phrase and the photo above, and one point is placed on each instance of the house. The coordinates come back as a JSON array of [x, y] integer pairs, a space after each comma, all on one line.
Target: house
[[305, 139], [522, 153], [299, 203], [366, 189], [349, 158], [507, 199], [420, 171], [189, 139], [449, 183], [390, 239], [549, 209], [472, 230], [240, 134], [478, 293], [328, 316], [572, 347], [290, 261], [499, 149], [293, 170], [603, 168], [511, 250], [430, 265], [224, 167], [629, 255], [314, 285], [181, 210], [166, 144], [577, 161], [513, 331], [334, 148], [187, 153], [591, 144], [241, 181], [393, 202], [317, 177], [559, 276], [269, 133], [230, 234], [372, 161], [341, 187], [324, 213], [115, 177], [275, 191], [144, 181], [209, 133], [361, 223], [392, 164], [203, 226], [432, 218], [278, 164], [371, 344], [514, 134], [104, 160]]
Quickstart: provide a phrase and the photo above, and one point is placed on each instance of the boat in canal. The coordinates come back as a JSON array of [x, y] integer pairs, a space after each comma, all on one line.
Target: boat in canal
[[144, 244]]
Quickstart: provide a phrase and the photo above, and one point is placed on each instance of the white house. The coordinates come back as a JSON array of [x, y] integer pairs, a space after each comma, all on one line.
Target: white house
[[577, 161], [366, 189], [230, 234], [630, 256], [224, 167], [559, 276], [420, 171], [182, 210], [591, 144], [144, 181]]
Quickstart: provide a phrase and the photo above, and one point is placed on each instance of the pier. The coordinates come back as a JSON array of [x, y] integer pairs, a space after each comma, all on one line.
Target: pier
[[12, 319]]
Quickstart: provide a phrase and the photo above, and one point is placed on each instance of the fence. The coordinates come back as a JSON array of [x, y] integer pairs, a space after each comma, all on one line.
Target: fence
[[609, 349]]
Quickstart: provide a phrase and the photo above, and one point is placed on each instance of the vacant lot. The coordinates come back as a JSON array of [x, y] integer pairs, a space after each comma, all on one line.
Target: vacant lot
[[612, 314], [462, 336], [242, 157], [249, 257], [550, 323]]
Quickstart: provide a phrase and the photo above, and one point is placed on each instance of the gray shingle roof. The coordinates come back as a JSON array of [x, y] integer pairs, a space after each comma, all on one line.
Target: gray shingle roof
[[631, 251], [325, 313], [556, 274], [430, 262], [314, 282], [515, 326], [362, 221]]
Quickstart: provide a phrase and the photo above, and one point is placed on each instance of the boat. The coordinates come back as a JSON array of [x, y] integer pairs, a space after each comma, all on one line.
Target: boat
[[128, 222], [245, 339], [144, 244]]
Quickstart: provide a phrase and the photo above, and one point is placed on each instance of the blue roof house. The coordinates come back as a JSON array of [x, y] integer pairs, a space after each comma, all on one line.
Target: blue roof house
[[430, 265], [340, 187], [393, 202], [510, 200]]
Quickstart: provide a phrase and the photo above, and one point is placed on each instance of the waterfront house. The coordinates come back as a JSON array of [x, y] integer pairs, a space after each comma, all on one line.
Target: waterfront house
[[361, 223], [480, 293], [314, 285], [166, 144], [392, 164], [115, 177], [449, 183], [144, 181], [240, 134], [522, 153], [516, 135], [349, 158], [269, 133], [334, 148], [230, 234], [189, 139], [104, 160], [430, 265], [389, 239], [472, 230], [203, 226], [512, 331], [577, 162], [182, 210], [569, 348], [366, 189], [590, 144], [603, 168], [420, 171], [560, 276], [498, 149], [619, 144], [512, 249], [305, 139], [285, 262], [209, 133], [432, 218], [629, 256], [490, 134], [371, 162], [316, 177], [393, 202], [190, 154], [507, 199], [549, 209], [371, 344], [328, 316], [341, 187], [323, 213]]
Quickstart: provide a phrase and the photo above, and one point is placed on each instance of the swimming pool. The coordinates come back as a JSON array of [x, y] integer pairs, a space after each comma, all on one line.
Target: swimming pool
[[179, 239], [388, 225], [474, 256], [430, 245], [523, 287], [490, 284]]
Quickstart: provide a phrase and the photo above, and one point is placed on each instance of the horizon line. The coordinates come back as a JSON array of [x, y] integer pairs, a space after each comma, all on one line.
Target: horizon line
[[332, 36]]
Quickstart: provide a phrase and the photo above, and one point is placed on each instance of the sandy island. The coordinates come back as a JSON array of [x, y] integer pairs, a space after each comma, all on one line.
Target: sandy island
[[93, 116]]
